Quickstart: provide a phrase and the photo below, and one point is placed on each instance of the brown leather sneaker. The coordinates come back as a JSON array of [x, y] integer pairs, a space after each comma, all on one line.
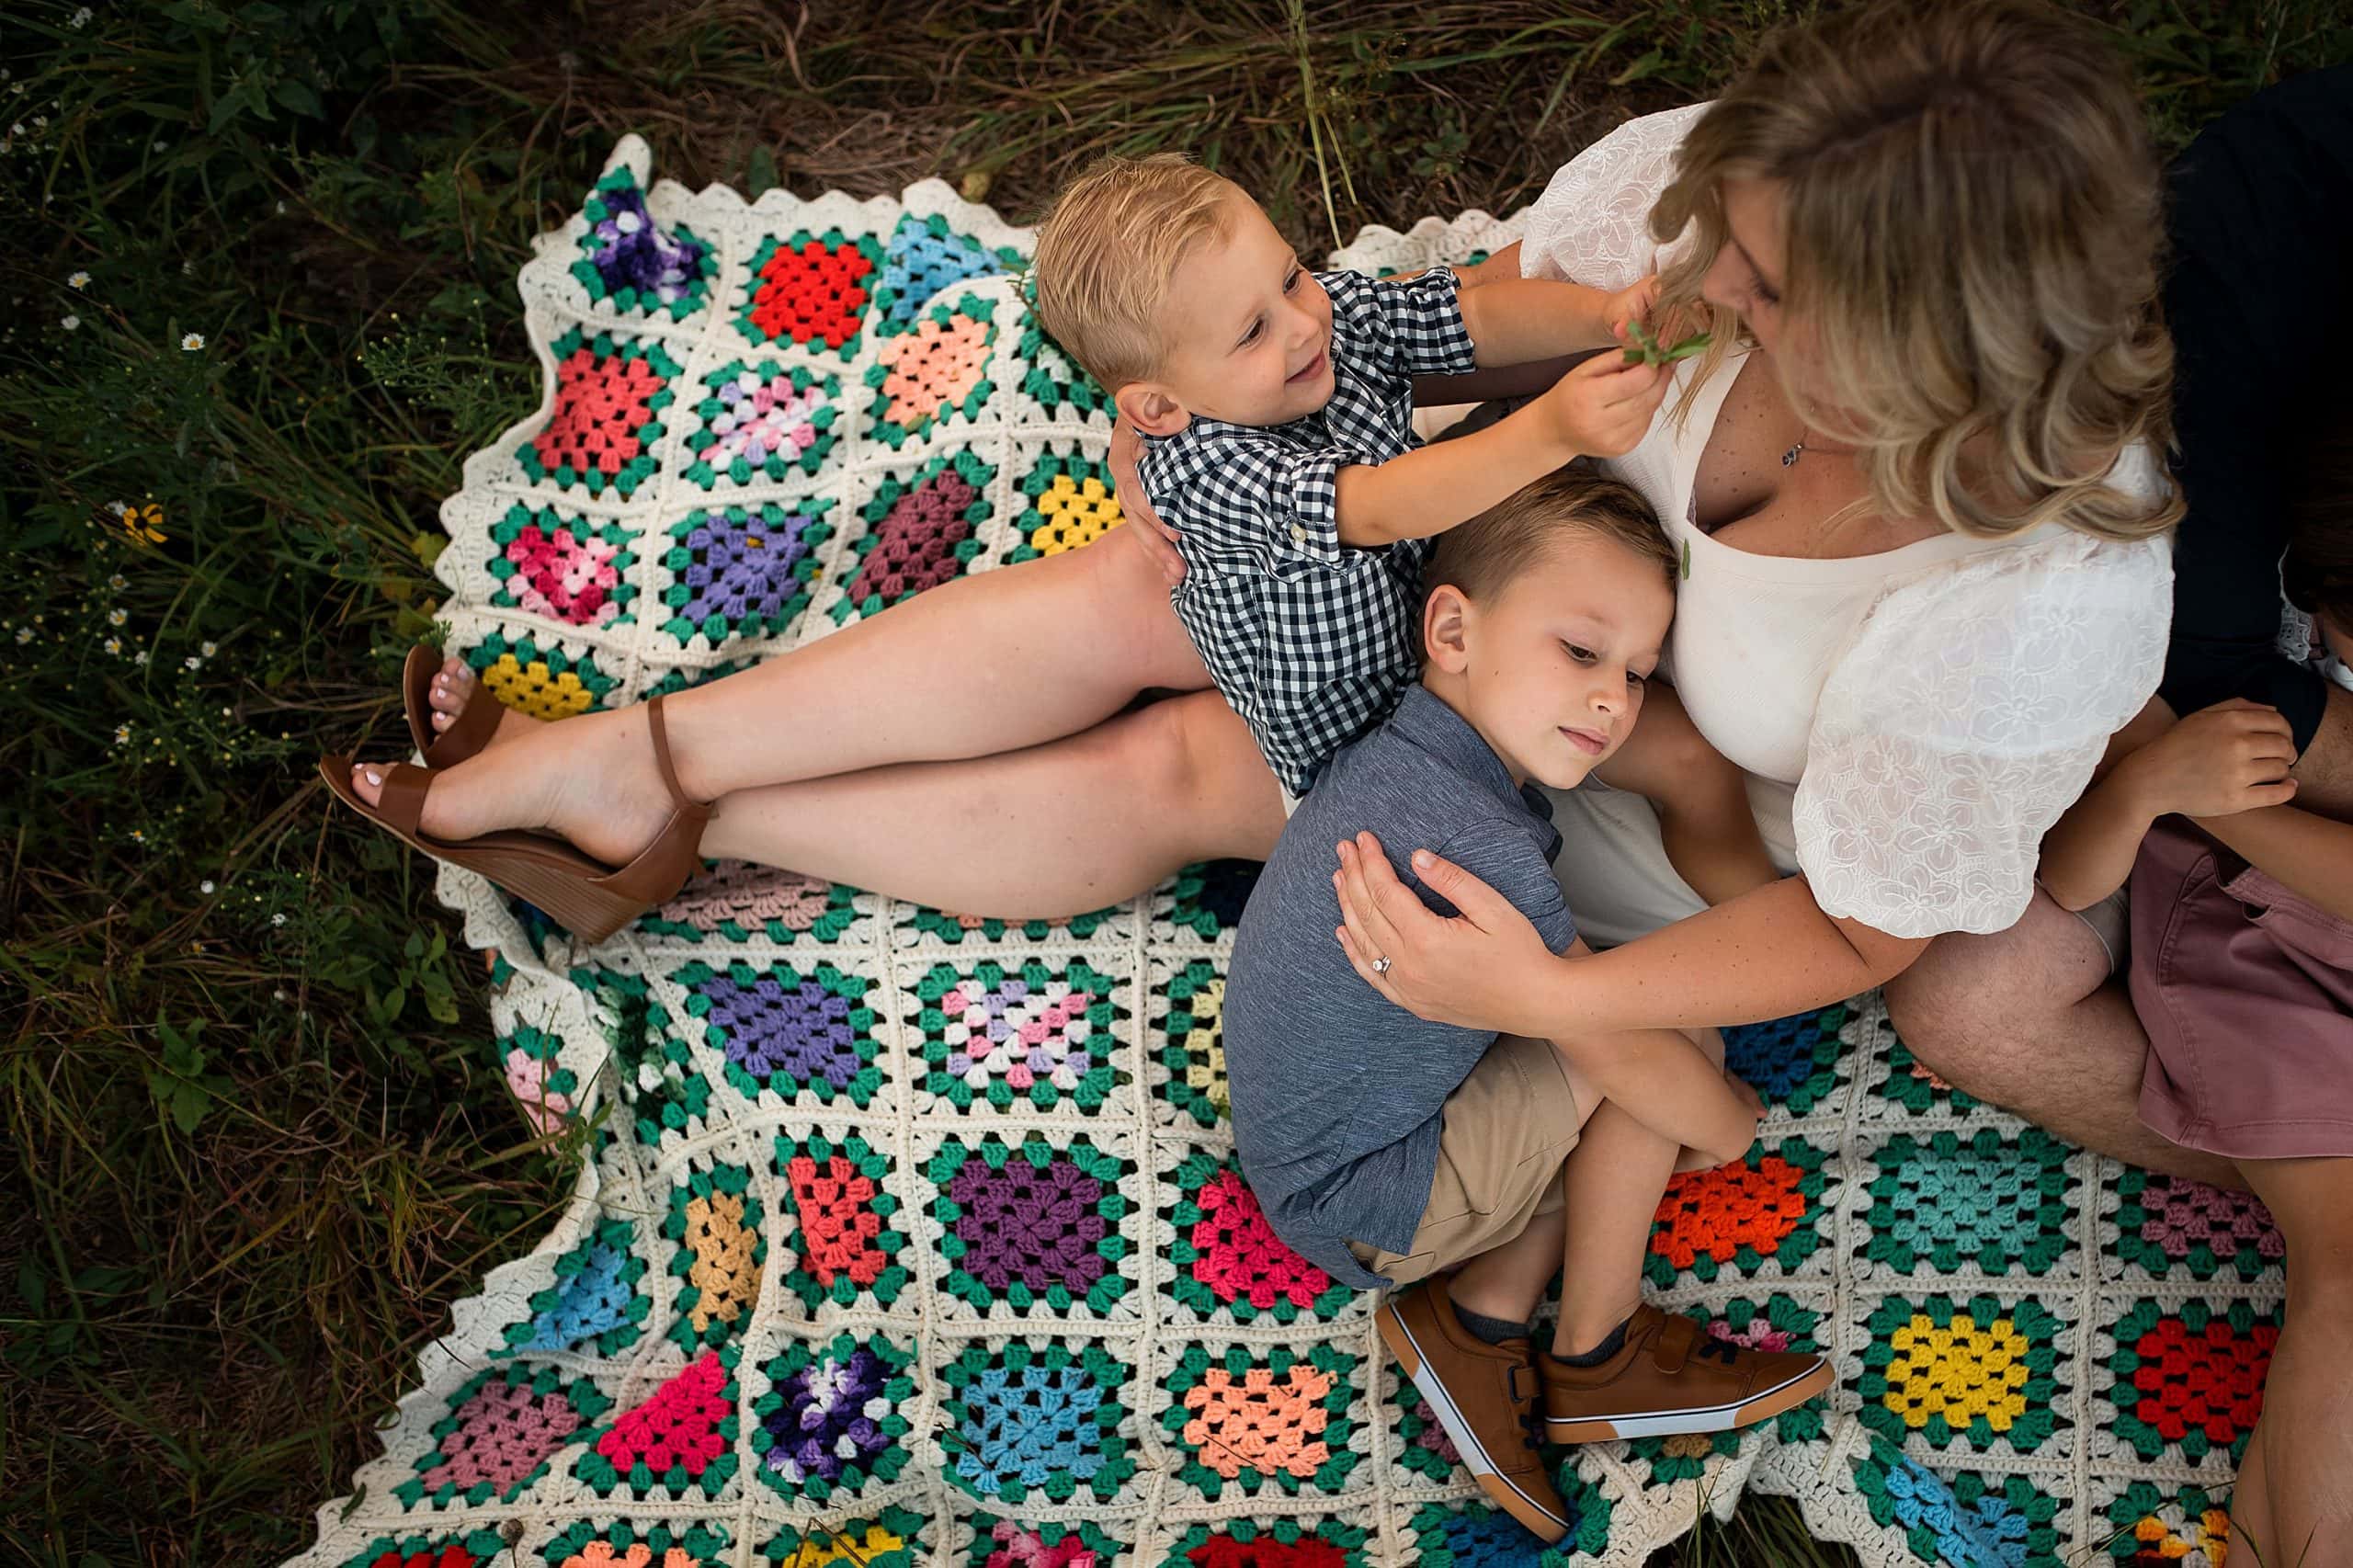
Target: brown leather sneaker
[[1485, 1397], [1671, 1376]]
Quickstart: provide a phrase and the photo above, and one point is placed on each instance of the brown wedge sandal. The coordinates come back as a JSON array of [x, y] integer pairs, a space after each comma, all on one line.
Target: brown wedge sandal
[[586, 897], [467, 733]]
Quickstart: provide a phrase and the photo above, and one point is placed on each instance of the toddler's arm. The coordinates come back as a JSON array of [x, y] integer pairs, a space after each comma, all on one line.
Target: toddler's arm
[[1514, 321], [1702, 801], [2221, 761], [1600, 409]]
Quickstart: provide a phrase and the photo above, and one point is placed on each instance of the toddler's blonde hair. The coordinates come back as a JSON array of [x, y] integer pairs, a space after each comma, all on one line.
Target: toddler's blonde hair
[[1109, 249], [1975, 236]]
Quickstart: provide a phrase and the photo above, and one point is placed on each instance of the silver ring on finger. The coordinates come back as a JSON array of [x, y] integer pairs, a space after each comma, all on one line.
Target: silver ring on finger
[[1380, 965]]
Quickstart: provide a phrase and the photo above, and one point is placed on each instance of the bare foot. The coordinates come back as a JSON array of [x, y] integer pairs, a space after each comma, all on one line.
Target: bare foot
[[590, 778], [454, 685]]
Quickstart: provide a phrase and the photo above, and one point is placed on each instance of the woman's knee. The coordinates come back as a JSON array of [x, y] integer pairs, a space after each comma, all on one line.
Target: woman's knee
[[1189, 762], [1130, 598]]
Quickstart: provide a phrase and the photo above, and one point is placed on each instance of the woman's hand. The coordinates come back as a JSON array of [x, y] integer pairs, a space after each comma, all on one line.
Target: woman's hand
[[1486, 969], [2218, 761], [1152, 536]]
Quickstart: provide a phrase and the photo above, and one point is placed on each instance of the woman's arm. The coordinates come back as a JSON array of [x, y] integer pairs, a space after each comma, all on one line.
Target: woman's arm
[[1764, 954]]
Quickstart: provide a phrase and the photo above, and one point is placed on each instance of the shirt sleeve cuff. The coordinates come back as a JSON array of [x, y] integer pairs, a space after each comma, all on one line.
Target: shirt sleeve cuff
[[1308, 529]]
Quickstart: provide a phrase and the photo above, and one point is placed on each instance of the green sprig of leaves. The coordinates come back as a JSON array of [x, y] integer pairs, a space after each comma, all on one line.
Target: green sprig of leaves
[[1646, 349]]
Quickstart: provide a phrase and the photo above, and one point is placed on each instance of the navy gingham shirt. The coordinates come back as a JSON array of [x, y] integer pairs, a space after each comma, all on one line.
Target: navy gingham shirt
[[1309, 640]]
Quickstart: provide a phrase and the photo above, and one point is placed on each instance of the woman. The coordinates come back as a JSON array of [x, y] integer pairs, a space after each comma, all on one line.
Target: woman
[[886, 755]]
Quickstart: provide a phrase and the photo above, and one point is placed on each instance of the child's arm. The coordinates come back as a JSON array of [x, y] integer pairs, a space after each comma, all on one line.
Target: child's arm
[[1600, 409], [1702, 801], [2310, 854], [2221, 761], [1514, 321]]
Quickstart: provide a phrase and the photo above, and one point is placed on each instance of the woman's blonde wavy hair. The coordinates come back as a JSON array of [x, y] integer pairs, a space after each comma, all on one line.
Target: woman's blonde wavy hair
[[1975, 232]]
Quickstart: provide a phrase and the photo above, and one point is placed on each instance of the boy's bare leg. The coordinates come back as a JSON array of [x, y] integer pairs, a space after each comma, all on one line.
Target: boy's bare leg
[[997, 661], [1053, 830], [1613, 1181], [1506, 1282], [2294, 1495]]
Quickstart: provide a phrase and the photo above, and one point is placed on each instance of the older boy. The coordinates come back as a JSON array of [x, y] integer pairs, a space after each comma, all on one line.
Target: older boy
[[1392, 1151]]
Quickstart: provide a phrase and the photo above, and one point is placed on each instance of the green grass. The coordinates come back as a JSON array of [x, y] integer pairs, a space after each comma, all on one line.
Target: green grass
[[252, 1143]]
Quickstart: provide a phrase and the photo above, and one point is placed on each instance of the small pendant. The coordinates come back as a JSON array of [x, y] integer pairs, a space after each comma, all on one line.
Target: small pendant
[[1790, 458]]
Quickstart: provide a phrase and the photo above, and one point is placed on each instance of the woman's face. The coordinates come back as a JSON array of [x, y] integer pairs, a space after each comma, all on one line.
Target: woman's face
[[1747, 273]]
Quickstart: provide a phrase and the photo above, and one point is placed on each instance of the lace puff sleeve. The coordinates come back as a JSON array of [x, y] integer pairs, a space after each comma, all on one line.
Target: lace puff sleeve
[[1592, 224], [1965, 717]]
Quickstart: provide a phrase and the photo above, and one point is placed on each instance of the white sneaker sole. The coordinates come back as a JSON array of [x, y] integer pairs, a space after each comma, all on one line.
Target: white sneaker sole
[[1702, 1418]]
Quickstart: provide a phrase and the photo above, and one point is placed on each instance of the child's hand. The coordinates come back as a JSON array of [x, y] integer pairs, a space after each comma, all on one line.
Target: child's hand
[[1604, 407], [1630, 304], [2218, 761]]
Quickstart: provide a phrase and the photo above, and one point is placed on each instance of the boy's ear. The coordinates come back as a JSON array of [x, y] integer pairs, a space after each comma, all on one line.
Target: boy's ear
[[1446, 629], [1148, 406]]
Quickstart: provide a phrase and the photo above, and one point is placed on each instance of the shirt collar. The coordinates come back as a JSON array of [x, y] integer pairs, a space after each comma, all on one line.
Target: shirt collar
[[1447, 735]]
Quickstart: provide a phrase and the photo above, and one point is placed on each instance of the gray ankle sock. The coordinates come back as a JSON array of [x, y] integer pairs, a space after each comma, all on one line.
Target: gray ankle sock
[[1611, 1343], [1494, 1331]]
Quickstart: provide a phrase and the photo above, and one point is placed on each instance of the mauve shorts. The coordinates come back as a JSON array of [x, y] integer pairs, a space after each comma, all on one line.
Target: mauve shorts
[[2246, 991]]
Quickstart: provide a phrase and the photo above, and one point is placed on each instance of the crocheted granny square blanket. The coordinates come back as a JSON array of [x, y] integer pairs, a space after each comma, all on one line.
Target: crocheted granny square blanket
[[911, 1237]]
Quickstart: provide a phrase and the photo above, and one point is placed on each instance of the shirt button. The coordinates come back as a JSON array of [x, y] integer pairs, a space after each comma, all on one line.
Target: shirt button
[[1298, 533]]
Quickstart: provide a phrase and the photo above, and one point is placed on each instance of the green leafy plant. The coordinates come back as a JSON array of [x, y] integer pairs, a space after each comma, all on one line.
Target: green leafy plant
[[1646, 349]]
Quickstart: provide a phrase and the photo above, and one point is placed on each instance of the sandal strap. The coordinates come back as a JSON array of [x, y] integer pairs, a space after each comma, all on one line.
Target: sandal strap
[[401, 801], [678, 796]]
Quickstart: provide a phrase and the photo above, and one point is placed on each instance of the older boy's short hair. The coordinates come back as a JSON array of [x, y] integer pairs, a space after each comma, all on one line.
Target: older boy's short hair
[[1107, 250], [1484, 554]]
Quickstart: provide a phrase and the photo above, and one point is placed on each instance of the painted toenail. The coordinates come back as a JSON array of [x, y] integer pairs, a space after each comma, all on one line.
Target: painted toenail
[[373, 777]]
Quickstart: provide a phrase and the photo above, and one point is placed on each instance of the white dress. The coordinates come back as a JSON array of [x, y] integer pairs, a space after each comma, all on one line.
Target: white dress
[[1911, 722]]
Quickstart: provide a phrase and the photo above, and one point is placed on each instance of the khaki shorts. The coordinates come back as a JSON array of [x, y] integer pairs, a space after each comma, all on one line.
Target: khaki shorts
[[1501, 1138]]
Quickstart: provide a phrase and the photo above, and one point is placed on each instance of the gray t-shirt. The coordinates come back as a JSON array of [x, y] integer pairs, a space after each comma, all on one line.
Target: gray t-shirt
[[1336, 1092]]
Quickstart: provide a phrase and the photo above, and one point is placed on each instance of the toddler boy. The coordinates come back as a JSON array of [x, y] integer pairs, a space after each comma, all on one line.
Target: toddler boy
[[1276, 407], [1390, 1151]]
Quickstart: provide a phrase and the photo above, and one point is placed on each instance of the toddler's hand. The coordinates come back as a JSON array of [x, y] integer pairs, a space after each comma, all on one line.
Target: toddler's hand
[[1632, 304], [1604, 407], [2218, 761]]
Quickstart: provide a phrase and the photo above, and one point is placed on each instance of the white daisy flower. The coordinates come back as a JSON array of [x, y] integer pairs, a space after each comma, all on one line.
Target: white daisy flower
[[140, 657], [70, 323], [24, 635], [206, 649], [122, 734], [192, 342], [192, 662], [277, 919], [118, 582], [114, 646], [77, 281], [205, 886], [116, 617], [79, 19]]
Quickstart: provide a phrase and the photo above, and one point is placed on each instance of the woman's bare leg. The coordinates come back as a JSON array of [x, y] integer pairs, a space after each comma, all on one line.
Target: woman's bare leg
[[993, 662], [989, 662], [2028, 1020], [1049, 831], [2294, 1496]]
